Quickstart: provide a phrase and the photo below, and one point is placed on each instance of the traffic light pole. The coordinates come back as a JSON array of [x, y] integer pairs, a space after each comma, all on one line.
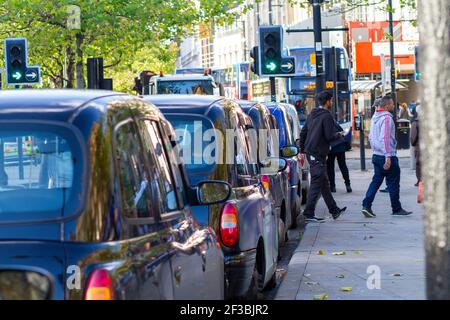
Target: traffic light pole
[[273, 94], [391, 46], [317, 26]]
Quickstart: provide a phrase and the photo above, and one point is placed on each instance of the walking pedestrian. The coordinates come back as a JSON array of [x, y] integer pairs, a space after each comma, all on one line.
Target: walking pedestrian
[[384, 159], [338, 150], [415, 142], [404, 112], [315, 138]]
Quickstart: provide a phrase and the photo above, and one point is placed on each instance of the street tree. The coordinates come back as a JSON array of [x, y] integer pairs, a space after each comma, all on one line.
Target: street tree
[[434, 29], [114, 29]]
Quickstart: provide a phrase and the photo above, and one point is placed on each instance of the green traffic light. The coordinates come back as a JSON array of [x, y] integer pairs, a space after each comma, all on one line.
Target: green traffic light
[[17, 75], [271, 66]]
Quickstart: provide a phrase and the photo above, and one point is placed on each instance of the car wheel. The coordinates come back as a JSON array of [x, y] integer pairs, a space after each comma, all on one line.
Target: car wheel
[[256, 286], [295, 212], [272, 283], [282, 234]]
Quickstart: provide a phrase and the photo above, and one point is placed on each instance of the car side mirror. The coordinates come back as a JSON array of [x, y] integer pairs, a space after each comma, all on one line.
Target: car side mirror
[[212, 192], [288, 152], [273, 165]]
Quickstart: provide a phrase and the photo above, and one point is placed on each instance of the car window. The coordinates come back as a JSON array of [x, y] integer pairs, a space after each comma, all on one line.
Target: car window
[[251, 142], [286, 128], [270, 134], [199, 158], [41, 170], [153, 145], [172, 154], [200, 87], [136, 183], [241, 156]]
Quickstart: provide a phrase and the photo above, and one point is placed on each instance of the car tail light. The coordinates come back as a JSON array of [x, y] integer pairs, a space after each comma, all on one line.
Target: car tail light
[[302, 159], [229, 227], [265, 182], [99, 286]]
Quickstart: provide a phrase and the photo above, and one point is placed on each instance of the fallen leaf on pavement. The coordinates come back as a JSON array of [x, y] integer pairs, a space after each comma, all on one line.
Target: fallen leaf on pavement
[[311, 283], [396, 275], [346, 289], [321, 252], [340, 253], [356, 251], [340, 276], [322, 296]]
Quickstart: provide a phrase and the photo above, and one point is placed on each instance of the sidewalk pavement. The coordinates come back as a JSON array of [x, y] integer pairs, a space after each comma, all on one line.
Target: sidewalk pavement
[[395, 245], [355, 153]]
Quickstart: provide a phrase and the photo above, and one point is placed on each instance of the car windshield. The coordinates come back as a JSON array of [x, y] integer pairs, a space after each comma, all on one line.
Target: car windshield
[[201, 87], [40, 173], [196, 142]]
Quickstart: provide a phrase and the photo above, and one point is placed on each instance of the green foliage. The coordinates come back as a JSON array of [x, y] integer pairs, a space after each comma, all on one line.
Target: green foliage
[[114, 29]]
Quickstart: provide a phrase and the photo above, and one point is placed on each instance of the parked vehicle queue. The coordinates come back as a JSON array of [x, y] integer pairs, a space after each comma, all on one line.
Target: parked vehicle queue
[[109, 211]]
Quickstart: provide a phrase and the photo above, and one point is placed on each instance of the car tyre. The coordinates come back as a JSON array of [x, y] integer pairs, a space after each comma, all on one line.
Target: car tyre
[[272, 283], [296, 212]]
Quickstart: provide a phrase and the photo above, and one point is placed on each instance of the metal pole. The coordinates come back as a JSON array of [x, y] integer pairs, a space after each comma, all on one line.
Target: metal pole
[[362, 146], [270, 13], [317, 22], [391, 44], [273, 96], [273, 93], [3, 175], [20, 157], [335, 79]]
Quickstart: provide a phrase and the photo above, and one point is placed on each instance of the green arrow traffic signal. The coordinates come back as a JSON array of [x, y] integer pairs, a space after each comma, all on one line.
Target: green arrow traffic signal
[[17, 75], [271, 66]]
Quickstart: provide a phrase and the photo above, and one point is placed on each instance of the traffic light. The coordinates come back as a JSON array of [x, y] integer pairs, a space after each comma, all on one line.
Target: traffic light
[[270, 41], [145, 81], [17, 70], [254, 54], [95, 75], [272, 62], [16, 57]]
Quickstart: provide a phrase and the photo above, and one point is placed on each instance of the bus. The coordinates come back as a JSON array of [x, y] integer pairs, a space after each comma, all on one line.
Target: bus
[[301, 88], [235, 80]]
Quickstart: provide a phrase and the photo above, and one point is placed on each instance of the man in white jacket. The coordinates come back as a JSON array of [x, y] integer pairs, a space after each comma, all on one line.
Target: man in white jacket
[[384, 159]]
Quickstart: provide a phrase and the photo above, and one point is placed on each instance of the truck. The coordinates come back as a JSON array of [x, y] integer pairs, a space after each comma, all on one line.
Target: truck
[[202, 84]]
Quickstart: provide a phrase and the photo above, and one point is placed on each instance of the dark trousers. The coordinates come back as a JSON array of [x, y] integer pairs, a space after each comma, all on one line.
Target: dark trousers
[[418, 165], [319, 186], [392, 181], [342, 166]]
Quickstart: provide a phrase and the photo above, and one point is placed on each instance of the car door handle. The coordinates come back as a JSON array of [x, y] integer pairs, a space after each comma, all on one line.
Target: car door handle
[[203, 254]]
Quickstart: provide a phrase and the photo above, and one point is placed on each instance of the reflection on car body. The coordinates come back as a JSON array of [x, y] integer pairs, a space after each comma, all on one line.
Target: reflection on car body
[[103, 204]]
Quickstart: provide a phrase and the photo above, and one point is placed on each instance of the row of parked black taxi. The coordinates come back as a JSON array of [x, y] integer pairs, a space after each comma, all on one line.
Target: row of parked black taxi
[[98, 198]]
